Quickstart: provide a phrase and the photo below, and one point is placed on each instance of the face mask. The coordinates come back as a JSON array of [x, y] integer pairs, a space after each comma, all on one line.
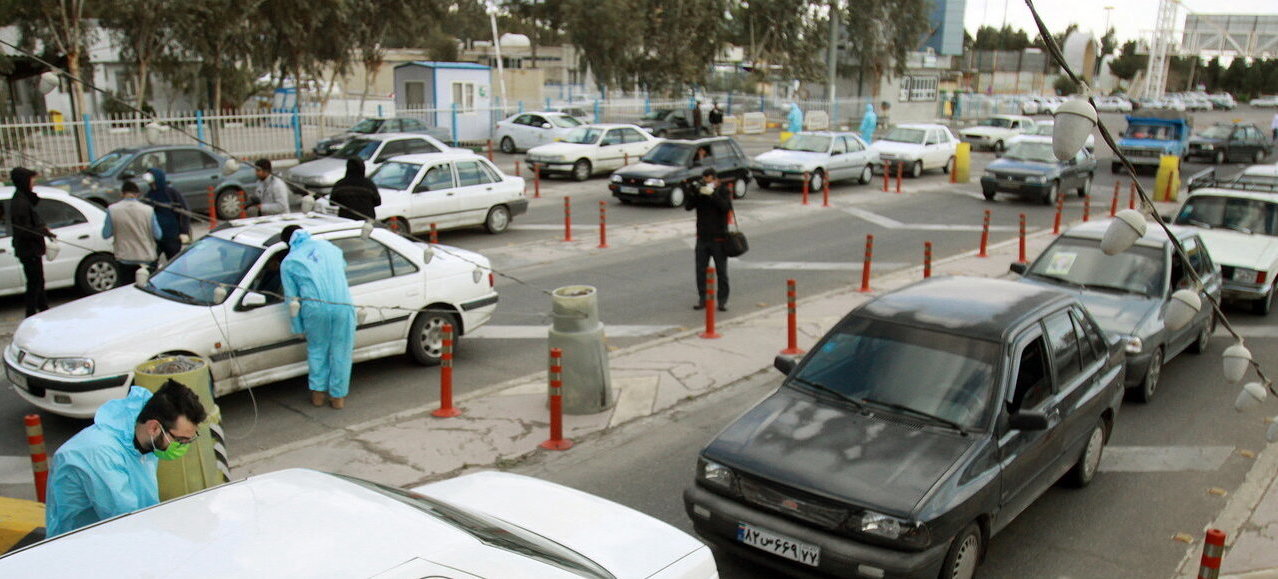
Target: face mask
[[175, 450]]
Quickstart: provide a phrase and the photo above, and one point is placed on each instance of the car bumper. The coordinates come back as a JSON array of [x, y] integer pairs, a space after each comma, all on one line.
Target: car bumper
[[1141, 159], [1244, 292], [1202, 153], [1137, 365], [518, 207], [641, 193], [1017, 187], [716, 518], [549, 167], [978, 142], [778, 176], [64, 396]]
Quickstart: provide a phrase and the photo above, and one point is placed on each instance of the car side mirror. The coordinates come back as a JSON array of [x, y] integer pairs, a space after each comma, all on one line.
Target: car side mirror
[[784, 363], [1018, 268], [1028, 421], [253, 300]]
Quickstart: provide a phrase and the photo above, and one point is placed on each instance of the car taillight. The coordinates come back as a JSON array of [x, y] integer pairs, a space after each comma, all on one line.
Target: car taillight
[[492, 280], [1260, 277]]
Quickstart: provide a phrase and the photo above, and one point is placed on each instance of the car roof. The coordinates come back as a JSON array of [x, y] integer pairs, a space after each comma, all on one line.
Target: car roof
[[420, 158], [1154, 235], [1265, 170], [1034, 139], [1017, 117], [982, 308], [922, 126], [389, 136], [265, 231], [828, 133], [693, 142], [1267, 197], [43, 191], [610, 126]]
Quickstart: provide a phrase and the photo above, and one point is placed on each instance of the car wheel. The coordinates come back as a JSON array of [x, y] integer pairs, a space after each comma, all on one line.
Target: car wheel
[[96, 273], [964, 554], [498, 219], [1089, 459], [398, 225], [816, 180], [948, 166], [581, 170], [916, 170], [229, 203], [988, 193], [426, 336], [1053, 195], [1204, 336], [1148, 385], [1219, 158], [1262, 306], [998, 147], [507, 145], [867, 174], [676, 196], [1086, 187], [1258, 157], [740, 188], [763, 183]]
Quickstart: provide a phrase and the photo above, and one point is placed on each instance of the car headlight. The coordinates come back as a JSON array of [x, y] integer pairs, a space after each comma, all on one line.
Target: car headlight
[[1036, 179], [1244, 275], [615, 178], [68, 366], [716, 475], [1133, 344], [889, 527], [654, 182]]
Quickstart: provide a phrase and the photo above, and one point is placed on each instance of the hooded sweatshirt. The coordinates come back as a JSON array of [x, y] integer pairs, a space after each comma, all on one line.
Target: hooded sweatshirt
[[100, 473], [27, 226], [167, 202], [355, 195]]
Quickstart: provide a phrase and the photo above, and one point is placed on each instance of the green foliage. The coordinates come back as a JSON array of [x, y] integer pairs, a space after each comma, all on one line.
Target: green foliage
[[790, 34], [1128, 62], [882, 34], [1065, 86], [1005, 38]]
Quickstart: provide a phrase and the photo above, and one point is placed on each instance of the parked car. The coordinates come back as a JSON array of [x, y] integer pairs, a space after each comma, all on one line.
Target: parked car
[[449, 190], [1030, 169], [1113, 104], [1264, 101], [591, 149], [190, 170], [378, 125], [1128, 293], [672, 123], [994, 132], [918, 146], [1223, 101], [88, 264], [1258, 178], [913, 432], [838, 155], [1223, 142], [1045, 129], [1031, 105], [662, 175], [527, 130], [487, 524], [218, 300], [320, 175], [1240, 229]]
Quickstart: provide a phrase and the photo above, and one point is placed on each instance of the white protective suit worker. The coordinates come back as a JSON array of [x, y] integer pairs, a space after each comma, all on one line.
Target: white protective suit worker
[[794, 119], [869, 123], [108, 469], [314, 273]]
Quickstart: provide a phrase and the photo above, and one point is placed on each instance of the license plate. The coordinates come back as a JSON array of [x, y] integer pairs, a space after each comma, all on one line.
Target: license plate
[[629, 189], [1010, 184], [772, 173], [17, 379], [779, 545]]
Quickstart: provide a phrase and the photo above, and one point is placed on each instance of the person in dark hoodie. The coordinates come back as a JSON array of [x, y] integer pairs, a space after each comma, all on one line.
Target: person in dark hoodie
[[355, 195], [171, 211], [29, 232]]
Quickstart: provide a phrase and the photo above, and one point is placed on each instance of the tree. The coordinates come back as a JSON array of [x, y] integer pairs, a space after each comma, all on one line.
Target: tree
[[790, 34], [1108, 44], [221, 36], [144, 30], [1128, 62], [62, 26], [882, 34], [1005, 38], [381, 20]]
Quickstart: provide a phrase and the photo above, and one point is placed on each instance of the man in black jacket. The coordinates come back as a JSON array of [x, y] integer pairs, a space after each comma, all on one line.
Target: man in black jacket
[[355, 195], [712, 202], [29, 232]]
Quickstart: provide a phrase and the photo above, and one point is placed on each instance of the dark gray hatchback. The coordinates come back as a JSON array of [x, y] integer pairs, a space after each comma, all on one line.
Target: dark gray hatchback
[[915, 430]]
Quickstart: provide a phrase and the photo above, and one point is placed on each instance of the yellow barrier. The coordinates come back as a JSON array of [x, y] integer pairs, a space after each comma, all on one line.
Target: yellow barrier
[[204, 465], [963, 163], [1167, 182], [21, 523]]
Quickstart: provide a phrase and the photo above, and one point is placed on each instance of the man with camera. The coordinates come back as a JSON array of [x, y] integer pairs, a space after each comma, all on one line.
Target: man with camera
[[713, 203]]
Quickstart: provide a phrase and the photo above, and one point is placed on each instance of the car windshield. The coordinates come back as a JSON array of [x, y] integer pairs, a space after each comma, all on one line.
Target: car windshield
[[1043, 129], [358, 149], [395, 175], [563, 121], [668, 154], [194, 275], [492, 531], [1236, 213], [808, 143], [1032, 152], [1217, 132], [1140, 270], [655, 115], [584, 135], [109, 163], [367, 126], [904, 135], [1148, 132], [996, 122], [941, 374], [1256, 179]]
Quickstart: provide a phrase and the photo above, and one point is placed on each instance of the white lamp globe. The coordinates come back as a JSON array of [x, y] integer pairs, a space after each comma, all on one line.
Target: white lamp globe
[[1181, 308], [230, 167], [1126, 227], [1074, 122], [1236, 358], [154, 131], [1251, 395]]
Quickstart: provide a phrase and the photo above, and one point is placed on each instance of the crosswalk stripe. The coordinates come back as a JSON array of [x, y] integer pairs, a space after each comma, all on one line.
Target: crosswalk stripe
[[499, 332], [1164, 458], [1253, 331], [889, 223], [814, 265]]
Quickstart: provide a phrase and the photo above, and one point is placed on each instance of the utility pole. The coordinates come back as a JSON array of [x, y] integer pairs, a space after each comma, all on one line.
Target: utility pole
[[832, 58], [1164, 29]]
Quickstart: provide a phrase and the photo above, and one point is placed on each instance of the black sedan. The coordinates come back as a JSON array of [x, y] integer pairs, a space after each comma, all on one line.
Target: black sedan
[[1224, 142], [663, 174], [914, 431], [672, 123], [1030, 169]]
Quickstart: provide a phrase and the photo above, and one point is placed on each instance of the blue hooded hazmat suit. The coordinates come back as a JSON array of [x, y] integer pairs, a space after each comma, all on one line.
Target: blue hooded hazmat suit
[[794, 118], [170, 207], [99, 473], [316, 270], [869, 123]]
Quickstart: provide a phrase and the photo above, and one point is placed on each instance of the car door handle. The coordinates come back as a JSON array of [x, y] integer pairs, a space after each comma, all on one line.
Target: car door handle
[[85, 236]]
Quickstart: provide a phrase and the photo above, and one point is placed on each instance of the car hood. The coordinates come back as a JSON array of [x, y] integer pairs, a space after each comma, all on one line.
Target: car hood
[[1021, 167], [868, 460], [896, 148], [647, 123], [1240, 249], [782, 157], [553, 149], [113, 321], [648, 170], [1206, 140], [988, 131], [328, 169], [1117, 313], [76, 183], [558, 512]]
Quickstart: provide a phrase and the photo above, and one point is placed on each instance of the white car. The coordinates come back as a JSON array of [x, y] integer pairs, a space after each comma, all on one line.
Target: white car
[[994, 132], [1240, 229], [449, 190], [319, 175], [1113, 104], [1030, 105], [85, 259], [1049, 105], [305, 523], [1044, 129], [1264, 101], [917, 146], [591, 149], [527, 130], [219, 300], [818, 155]]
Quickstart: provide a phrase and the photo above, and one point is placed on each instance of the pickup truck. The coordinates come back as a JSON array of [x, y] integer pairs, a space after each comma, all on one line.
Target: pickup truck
[[1152, 135]]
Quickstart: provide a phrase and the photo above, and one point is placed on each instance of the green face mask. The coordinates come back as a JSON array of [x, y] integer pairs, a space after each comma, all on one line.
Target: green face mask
[[175, 450]]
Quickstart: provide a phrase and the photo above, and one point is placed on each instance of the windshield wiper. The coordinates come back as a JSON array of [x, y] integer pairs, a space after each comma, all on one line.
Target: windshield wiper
[[1058, 278], [827, 389], [1114, 288], [1238, 228], [179, 293], [907, 410], [1199, 223]]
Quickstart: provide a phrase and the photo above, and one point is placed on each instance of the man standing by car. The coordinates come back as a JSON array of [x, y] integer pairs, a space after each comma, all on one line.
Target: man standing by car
[[696, 119], [712, 202], [135, 230], [108, 469], [355, 195], [716, 119], [271, 196], [314, 277], [29, 232], [171, 211]]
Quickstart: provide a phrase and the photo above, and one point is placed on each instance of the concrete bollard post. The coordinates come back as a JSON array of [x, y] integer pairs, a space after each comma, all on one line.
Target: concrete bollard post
[[577, 332]]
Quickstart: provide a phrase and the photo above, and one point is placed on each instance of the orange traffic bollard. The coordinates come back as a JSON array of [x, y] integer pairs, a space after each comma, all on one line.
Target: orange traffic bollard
[[1213, 553], [39, 460], [536, 181], [434, 234], [1113, 203], [517, 164], [1131, 198], [212, 208], [865, 265], [825, 193], [1087, 208], [1022, 258], [927, 259], [985, 235], [243, 204], [556, 440], [1056, 220], [490, 150], [446, 409], [710, 334], [603, 225], [887, 170], [567, 218], [791, 319], [900, 174], [805, 188]]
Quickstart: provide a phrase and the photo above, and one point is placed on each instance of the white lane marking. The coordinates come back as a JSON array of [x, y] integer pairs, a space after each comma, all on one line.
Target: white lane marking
[[889, 223], [16, 470], [1252, 331], [813, 265], [550, 227], [499, 332], [1164, 458]]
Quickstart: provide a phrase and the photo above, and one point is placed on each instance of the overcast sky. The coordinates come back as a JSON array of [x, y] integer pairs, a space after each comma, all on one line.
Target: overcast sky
[[1129, 18]]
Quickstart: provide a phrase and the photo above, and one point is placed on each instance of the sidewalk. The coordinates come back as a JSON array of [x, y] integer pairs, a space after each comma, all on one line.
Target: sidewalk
[[1250, 523]]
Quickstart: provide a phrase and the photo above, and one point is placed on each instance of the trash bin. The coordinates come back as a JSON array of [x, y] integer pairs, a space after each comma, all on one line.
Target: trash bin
[[577, 331], [205, 464], [59, 123]]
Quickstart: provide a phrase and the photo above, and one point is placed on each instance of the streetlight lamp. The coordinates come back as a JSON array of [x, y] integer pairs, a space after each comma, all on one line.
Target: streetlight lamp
[[1109, 10], [501, 75]]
